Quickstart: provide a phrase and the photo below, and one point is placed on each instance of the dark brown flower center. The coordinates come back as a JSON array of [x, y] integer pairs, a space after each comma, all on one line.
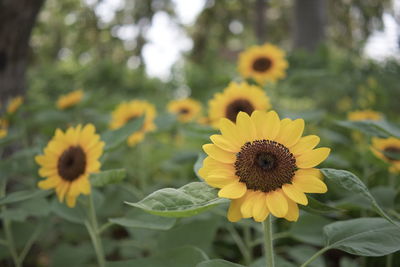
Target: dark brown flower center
[[72, 163], [184, 111], [262, 64], [392, 153], [236, 106], [265, 165]]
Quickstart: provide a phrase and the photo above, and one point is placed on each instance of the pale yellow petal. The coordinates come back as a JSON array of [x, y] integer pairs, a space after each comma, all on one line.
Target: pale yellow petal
[[234, 190], [294, 194], [247, 206], [305, 144], [260, 209], [71, 200], [293, 211], [49, 183], [228, 130], [224, 143], [245, 127], [309, 184], [277, 203], [312, 158], [272, 125], [219, 154], [234, 213], [290, 132]]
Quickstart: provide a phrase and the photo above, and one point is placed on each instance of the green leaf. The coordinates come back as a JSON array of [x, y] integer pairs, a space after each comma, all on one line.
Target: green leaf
[[144, 220], [23, 195], [302, 253], [178, 257], [186, 201], [381, 128], [315, 206], [107, 177], [364, 237], [199, 164], [218, 263], [75, 215], [116, 137], [352, 183], [308, 229]]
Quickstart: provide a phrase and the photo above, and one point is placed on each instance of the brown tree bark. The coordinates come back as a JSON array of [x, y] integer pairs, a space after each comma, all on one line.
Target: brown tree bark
[[17, 18], [309, 23]]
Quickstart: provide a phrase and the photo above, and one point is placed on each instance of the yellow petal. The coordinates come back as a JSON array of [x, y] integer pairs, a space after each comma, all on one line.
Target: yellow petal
[[219, 154], [234, 190], [290, 132], [228, 130], [260, 209], [309, 184], [310, 172], [247, 207], [294, 194], [71, 200], [49, 183], [293, 211], [61, 190], [259, 119], [234, 213], [277, 203], [85, 187], [219, 181], [210, 164], [224, 143], [245, 127], [312, 158], [305, 144], [272, 125]]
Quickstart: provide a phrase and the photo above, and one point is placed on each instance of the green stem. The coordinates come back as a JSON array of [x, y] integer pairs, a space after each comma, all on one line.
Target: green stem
[[389, 260], [104, 227], [30, 242], [239, 242], [7, 228], [93, 230], [268, 242], [316, 255], [247, 242]]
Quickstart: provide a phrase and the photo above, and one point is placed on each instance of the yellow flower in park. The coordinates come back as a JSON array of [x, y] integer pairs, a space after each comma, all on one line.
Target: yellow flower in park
[[14, 104], [186, 109], [68, 160], [70, 99], [265, 63], [128, 111], [360, 115], [3, 128], [388, 149], [264, 165], [235, 98]]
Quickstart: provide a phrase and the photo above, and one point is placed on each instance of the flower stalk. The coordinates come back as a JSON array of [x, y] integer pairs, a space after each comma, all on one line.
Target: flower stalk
[[268, 242]]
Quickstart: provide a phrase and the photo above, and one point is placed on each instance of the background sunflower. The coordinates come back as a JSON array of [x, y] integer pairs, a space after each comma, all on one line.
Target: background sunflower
[[186, 109]]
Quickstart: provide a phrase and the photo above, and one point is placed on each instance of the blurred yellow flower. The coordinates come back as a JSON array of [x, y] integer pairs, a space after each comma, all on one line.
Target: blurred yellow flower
[[235, 98], [68, 160], [367, 114], [388, 149], [14, 104], [264, 63], [70, 99], [3, 128], [131, 110], [186, 109], [264, 165]]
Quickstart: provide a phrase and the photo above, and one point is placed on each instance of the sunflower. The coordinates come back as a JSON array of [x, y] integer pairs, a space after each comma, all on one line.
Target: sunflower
[[3, 128], [387, 149], [186, 109], [360, 115], [235, 98], [68, 160], [264, 63], [70, 99], [264, 165], [14, 104], [131, 110]]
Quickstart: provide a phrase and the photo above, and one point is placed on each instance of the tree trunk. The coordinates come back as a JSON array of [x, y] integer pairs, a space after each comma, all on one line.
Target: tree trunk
[[17, 18], [260, 24], [309, 23]]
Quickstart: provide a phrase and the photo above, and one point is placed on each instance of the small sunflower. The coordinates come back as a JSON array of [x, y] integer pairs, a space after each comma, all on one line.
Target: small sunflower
[[235, 98], [14, 104], [186, 109], [68, 160], [360, 115], [3, 128], [70, 99], [264, 63], [387, 149], [264, 165], [131, 110]]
